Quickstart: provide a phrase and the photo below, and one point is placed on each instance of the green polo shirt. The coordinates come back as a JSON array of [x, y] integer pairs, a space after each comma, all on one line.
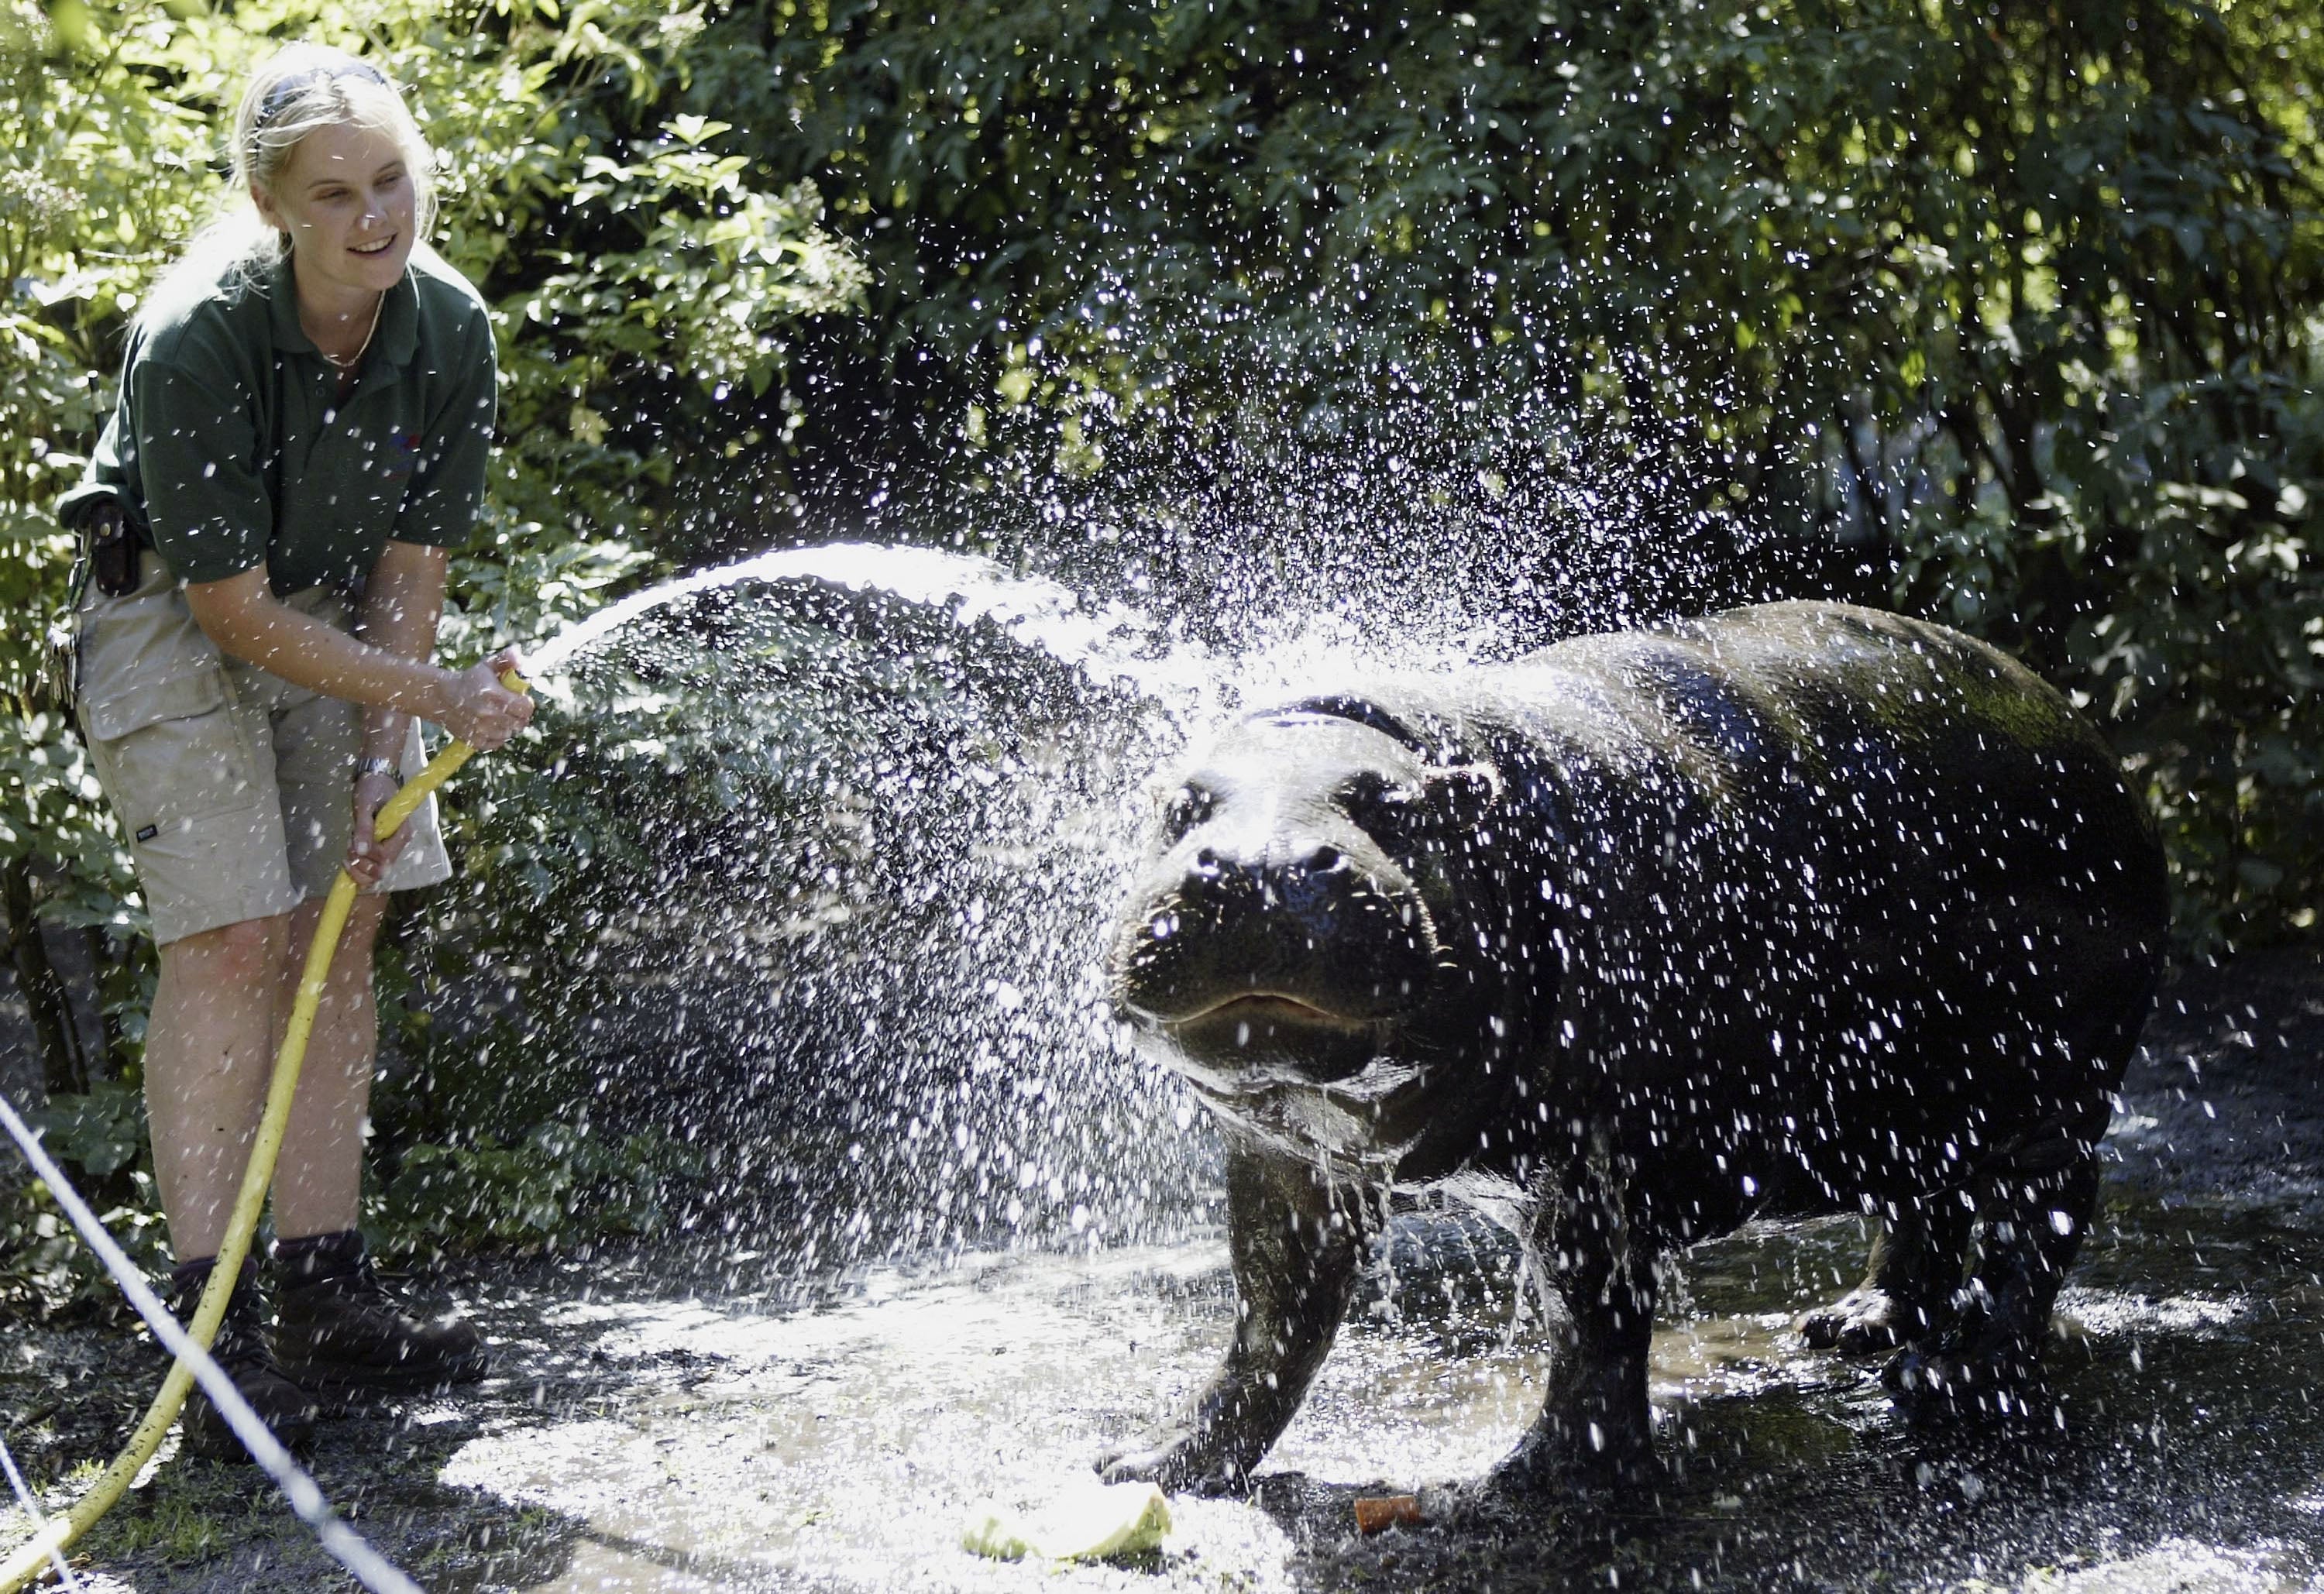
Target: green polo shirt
[[231, 445]]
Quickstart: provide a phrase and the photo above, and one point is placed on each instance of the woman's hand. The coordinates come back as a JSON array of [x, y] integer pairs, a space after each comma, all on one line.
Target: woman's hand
[[367, 856], [479, 709]]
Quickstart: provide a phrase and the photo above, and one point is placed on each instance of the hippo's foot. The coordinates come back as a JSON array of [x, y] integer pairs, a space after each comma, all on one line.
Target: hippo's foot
[[1977, 1378], [1863, 1321], [1542, 1468], [1181, 1465]]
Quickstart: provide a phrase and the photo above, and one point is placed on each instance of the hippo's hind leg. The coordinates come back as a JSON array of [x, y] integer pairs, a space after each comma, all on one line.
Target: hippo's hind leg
[[1298, 1245], [1909, 1281], [2034, 1203]]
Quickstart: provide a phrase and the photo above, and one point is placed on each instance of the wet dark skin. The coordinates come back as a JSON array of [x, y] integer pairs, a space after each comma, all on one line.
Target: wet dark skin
[[1795, 909]]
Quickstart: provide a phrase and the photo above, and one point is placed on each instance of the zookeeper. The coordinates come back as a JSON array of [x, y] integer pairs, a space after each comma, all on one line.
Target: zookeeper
[[305, 414]]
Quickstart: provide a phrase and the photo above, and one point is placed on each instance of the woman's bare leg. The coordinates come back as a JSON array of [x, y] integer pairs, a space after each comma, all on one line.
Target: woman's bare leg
[[338, 1329], [208, 1048], [318, 1183]]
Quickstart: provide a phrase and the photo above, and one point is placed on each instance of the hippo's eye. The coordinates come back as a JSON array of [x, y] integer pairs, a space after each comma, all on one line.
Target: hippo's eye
[[1185, 808], [1384, 811]]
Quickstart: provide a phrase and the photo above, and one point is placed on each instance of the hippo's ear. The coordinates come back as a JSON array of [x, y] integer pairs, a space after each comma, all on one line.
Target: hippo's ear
[[1465, 793]]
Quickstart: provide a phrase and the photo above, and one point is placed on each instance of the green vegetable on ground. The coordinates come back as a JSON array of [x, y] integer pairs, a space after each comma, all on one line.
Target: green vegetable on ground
[[1089, 1522]]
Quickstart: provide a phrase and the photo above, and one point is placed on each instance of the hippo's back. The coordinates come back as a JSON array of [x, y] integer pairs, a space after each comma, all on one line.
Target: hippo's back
[[1882, 804], [1902, 742], [1829, 688]]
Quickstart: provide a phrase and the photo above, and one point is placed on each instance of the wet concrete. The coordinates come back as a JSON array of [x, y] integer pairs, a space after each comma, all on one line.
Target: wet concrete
[[655, 1428]]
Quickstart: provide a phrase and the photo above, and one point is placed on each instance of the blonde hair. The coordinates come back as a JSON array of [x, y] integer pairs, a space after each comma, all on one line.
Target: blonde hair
[[296, 91]]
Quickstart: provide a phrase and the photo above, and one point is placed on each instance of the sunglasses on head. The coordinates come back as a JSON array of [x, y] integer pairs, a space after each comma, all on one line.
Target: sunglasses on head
[[282, 93]]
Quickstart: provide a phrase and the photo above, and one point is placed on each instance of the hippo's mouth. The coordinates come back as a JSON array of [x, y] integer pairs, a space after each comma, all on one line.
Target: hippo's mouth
[[1270, 1009], [1248, 1037]]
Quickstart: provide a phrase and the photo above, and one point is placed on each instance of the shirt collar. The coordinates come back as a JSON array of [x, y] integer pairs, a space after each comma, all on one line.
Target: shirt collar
[[282, 310], [395, 341]]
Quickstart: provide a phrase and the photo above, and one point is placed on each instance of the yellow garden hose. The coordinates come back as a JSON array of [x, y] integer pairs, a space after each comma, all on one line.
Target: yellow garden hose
[[27, 1563]]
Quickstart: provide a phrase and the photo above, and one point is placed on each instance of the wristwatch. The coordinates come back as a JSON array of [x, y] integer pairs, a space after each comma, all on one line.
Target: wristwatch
[[379, 766]]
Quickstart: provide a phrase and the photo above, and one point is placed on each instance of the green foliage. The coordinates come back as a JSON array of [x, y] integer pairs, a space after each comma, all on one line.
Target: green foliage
[[45, 1270], [78, 214], [640, 275], [2018, 304], [100, 1133], [556, 1182]]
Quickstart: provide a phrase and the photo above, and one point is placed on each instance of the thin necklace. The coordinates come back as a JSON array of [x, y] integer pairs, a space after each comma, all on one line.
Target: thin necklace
[[349, 364]]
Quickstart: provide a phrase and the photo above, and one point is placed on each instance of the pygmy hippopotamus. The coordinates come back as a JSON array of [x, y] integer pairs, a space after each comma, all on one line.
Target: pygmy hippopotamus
[[1797, 908]]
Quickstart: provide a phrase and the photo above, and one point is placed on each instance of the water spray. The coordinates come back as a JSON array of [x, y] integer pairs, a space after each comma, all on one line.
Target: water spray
[[190, 1344], [1110, 644]]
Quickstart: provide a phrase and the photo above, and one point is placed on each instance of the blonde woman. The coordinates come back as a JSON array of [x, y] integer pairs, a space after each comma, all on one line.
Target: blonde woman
[[305, 414]]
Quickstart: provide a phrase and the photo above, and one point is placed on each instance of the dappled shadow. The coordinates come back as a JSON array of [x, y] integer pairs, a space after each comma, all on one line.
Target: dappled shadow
[[2188, 1363], [2191, 1439], [666, 1421], [194, 1527]]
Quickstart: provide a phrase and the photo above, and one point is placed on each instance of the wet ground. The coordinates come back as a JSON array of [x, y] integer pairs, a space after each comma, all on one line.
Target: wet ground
[[656, 1429]]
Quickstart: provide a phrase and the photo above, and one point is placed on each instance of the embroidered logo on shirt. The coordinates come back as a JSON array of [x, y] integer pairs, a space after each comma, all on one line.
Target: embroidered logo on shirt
[[402, 454]]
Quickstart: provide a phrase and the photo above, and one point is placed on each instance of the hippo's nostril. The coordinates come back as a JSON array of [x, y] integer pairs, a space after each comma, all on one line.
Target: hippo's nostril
[[1206, 861], [1324, 859]]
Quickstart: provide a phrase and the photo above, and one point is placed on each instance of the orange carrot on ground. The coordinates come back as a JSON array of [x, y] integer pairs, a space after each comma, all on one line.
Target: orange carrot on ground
[[1377, 1512]]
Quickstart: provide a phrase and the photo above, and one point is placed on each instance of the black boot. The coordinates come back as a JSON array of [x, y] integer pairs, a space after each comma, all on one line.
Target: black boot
[[339, 1331], [241, 1348]]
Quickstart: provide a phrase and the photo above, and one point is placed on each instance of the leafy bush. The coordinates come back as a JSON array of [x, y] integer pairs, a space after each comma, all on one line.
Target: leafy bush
[[557, 1182], [99, 1138], [2008, 315]]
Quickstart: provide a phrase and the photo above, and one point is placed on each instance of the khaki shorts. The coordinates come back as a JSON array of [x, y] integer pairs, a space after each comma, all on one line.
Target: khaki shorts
[[233, 787]]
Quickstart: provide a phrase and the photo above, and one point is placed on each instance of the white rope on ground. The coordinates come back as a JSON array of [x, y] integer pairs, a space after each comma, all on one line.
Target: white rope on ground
[[346, 1547], [39, 1522]]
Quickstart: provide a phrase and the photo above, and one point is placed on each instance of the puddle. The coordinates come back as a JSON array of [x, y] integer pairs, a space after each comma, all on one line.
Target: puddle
[[742, 1446], [645, 1438]]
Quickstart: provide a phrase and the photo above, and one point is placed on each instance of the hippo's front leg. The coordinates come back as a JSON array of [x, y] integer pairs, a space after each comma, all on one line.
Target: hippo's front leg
[[1595, 1426], [1298, 1244]]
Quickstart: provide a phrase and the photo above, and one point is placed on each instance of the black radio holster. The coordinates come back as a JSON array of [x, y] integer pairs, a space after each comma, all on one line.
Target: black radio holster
[[112, 550]]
